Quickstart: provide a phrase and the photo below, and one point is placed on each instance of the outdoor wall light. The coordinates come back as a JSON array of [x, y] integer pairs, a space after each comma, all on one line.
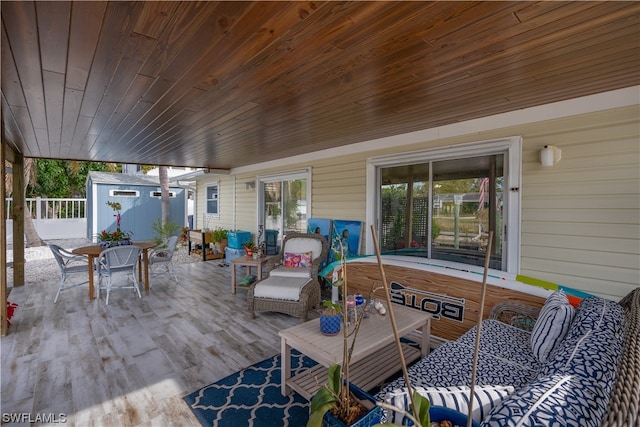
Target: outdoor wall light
[[250, 185], [550, 155]]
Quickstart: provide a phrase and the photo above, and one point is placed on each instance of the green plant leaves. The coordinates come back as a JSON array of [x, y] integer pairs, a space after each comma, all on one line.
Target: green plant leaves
[[422, 408], [334, 380]]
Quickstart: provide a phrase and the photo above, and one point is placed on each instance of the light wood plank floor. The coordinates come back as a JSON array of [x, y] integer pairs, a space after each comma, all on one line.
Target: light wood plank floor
[[130, 363]]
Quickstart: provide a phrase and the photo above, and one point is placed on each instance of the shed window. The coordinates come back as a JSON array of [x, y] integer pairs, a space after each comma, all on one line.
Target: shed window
[[124, 193], [158, 194]]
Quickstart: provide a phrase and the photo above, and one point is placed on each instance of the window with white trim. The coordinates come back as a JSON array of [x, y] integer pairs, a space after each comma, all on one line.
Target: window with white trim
[[158, 194], [441, 204], [212, 201], [124, 193]]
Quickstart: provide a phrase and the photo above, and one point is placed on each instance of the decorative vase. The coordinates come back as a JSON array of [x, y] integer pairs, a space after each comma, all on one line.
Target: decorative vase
[[369, 419], [249, 252], [330, 323]]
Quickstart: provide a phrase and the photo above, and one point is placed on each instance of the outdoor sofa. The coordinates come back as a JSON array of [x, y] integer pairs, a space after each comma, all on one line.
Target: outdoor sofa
[[588, 375]]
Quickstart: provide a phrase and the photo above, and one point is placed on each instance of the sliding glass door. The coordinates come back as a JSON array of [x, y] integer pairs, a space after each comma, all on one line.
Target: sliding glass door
[[284, 201]]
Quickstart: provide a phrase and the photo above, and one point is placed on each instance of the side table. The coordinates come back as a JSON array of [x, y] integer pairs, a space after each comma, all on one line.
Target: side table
[[248, 262]]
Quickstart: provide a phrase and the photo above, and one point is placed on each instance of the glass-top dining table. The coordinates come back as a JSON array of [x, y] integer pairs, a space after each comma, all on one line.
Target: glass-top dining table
[[93, 251]]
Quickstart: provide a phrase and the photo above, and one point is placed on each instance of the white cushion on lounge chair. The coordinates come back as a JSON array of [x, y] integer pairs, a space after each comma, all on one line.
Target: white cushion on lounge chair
[[284, 288], [302, 245], [281, 271]]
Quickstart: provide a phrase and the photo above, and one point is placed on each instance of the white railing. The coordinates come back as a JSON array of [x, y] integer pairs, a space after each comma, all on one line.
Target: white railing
[[54, 218]]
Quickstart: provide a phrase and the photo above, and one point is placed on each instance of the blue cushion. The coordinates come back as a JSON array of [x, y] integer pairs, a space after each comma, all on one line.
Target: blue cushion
[[552, 325]]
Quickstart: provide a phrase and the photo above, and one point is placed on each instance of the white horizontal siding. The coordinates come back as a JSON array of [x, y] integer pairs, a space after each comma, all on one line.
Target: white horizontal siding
[[573, 215], [245, 204], [580, 228], [609, 281], [581, 218], [338, 188]]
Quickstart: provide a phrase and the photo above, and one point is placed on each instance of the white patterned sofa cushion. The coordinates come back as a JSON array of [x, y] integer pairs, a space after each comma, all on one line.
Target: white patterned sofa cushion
[[573, 386], [504, 342], [593, 341], [451, 363], [552, 325], [549, 401]]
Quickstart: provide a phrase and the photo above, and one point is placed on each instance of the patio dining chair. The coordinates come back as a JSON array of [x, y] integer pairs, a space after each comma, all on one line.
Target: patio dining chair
[[116, 262], [163, 257], [69, 264]]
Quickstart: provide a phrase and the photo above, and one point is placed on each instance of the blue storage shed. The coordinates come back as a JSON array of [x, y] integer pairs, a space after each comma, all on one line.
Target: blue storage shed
[[139, 198]]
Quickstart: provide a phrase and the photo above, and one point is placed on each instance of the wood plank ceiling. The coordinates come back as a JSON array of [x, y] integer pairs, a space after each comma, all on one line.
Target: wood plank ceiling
[[227, 84]]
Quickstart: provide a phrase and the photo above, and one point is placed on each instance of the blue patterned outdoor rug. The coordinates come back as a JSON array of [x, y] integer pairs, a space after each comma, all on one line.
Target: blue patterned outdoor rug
[[251, 397]]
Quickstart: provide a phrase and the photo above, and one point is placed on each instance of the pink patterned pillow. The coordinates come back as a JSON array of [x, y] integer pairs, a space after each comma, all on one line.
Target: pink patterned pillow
[[297, 260]]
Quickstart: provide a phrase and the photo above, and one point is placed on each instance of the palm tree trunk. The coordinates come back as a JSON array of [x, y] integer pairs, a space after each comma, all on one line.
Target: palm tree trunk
[[163, 175], [30, 232]]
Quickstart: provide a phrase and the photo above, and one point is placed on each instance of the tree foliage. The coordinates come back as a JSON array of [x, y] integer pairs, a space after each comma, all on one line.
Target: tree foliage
[[62, 178]]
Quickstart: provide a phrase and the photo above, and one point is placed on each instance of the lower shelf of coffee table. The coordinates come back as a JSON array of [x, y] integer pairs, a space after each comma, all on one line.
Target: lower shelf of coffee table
[[366, 373]]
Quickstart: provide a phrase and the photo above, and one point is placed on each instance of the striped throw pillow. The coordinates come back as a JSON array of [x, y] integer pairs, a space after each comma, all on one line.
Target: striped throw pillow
[[552, 325], [454, 397]]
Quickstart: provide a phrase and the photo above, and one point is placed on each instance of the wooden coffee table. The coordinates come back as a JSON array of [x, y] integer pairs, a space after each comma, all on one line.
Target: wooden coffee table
[[375, 357]]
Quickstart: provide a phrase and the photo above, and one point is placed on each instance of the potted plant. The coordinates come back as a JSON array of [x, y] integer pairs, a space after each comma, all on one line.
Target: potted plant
[[114, 238], [11, 307], [330, 318], [249, 247], [118, 237], [164, 230], [184, 235], [219, 239], [340, 403], [420, 412]]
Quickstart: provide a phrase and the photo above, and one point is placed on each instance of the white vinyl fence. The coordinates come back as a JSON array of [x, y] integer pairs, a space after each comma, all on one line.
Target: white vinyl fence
[[54, 218]]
